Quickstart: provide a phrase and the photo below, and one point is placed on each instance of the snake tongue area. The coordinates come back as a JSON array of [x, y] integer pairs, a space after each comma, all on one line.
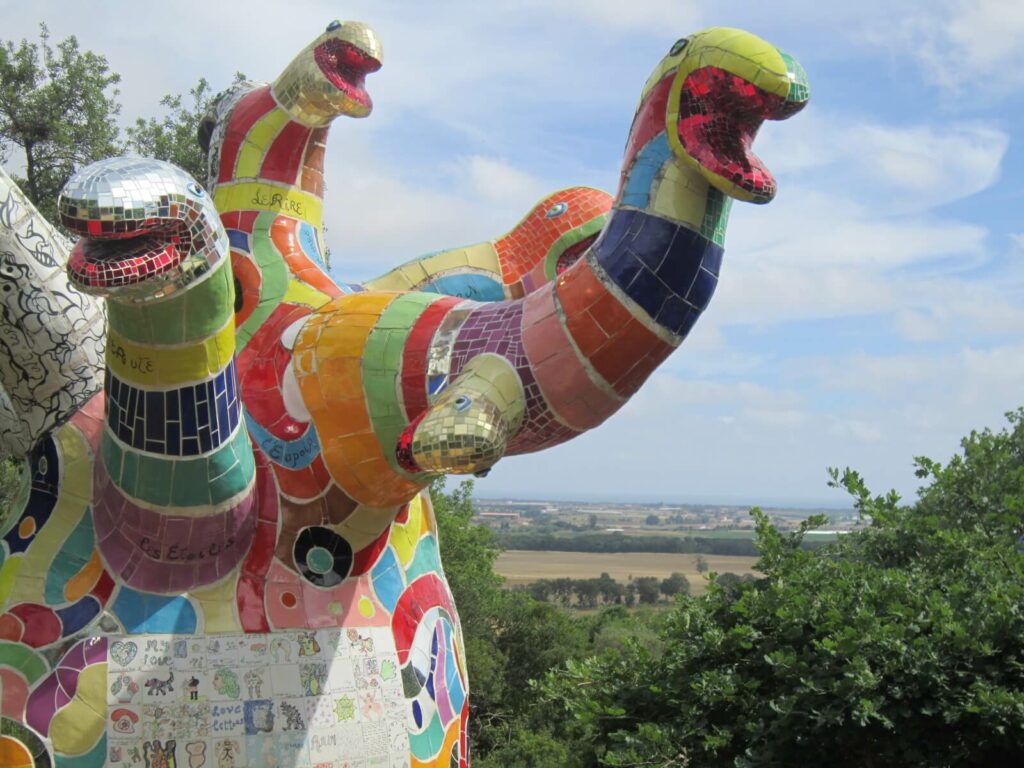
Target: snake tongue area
[[719, 116], [346, 67], [111, 262]]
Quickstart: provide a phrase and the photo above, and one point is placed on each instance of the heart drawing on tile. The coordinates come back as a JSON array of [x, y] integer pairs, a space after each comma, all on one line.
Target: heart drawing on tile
[[123, 652]]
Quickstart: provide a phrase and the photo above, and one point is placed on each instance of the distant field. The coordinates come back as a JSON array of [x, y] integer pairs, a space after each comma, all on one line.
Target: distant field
[[521, 566]]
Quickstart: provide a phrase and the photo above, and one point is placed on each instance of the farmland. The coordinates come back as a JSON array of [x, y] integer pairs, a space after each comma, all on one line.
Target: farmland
[[521, 567]]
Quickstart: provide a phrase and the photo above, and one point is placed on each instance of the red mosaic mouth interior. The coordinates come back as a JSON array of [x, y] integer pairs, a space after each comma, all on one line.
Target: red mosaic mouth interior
[[346, 67], [113, 262], [719, 116]]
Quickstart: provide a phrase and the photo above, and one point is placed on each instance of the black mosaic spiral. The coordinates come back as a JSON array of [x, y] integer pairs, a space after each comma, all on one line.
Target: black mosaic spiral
[[322, 557]]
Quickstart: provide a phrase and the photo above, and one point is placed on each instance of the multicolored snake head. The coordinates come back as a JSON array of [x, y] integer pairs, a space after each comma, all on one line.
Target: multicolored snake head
[[148, 230], [327, 78], [715, 88]]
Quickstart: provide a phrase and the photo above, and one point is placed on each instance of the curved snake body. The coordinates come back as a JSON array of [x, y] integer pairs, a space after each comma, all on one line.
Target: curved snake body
[[245, 500]]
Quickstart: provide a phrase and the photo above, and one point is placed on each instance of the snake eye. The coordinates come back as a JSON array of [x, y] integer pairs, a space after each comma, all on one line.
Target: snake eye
[[461, 403], [334, 25], [678, 46], [195, 189]]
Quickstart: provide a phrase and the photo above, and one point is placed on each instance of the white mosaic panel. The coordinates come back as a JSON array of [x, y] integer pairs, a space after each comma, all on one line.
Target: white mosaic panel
[[315, 699]]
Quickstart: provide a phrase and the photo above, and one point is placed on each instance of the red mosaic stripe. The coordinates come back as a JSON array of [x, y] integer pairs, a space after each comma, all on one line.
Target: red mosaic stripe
[[561, 376], [249, 109], [243, 221], [252, 582], [414, 359], [649, 120], [283, 160]]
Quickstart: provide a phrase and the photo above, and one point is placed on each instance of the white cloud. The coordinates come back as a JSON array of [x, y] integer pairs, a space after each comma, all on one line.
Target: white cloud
[[617, 16], [894, 169], [964, 45], [495, 181]]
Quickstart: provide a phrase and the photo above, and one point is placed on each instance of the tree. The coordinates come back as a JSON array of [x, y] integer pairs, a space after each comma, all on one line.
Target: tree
[[13, 479], [899, 645], [648, 589], [676, 584], [60, 106], [652, 519], [174, 137], [702, 564]]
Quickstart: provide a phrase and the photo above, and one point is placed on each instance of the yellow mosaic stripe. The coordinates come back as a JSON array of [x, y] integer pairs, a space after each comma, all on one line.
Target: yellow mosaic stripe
[[679, 198], [415, 273], [149, 365], [263, 196], [734, 50], [254, 147], [303, 293]]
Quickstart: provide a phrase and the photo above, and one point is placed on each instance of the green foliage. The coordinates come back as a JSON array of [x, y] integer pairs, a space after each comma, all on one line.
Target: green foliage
[[60, 106], [173, 137], [648, 589], [13, 478], [900, 645], [675, 584]]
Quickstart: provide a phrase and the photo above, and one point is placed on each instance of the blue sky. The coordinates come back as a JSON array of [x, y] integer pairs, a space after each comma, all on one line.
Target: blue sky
[[873, 312]]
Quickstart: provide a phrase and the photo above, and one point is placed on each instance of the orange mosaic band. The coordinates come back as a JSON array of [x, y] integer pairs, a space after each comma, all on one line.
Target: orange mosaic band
[[528, 243], [576, 392], [329, 365], [615, 343]]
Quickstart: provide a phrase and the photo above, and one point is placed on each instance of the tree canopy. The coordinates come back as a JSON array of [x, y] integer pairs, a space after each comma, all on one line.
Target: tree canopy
[[900, 645], [59, 104]]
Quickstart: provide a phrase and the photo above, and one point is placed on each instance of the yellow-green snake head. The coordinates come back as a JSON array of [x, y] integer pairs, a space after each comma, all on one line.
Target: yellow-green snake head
[[468, 427], [327, 78], [713, 91], [148, 230]]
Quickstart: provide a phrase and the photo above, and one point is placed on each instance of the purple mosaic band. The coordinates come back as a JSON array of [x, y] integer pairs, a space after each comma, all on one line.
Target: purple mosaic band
[[167, 553], [498, 329]]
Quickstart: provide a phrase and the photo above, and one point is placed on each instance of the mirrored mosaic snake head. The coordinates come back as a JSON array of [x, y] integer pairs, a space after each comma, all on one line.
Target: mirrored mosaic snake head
[[467, 429], [710, 95], [326, 79], [147, 229]]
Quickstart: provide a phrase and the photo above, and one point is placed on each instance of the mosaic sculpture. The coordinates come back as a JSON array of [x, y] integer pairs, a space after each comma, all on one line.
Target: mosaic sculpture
[[226, 558]]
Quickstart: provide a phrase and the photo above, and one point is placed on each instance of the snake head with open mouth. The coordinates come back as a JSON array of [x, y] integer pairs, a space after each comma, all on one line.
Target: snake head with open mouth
[[147, 229], [327, 78], [724, 84]]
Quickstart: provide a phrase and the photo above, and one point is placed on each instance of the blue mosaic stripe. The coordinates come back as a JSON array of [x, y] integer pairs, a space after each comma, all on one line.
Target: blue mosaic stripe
[[187, 421], [239, 240], [467, 286], [307, 240], [648, 162], [294, 454], [668, 269]]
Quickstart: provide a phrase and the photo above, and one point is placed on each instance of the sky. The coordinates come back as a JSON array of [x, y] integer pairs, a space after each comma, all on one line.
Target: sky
[[872, 313]]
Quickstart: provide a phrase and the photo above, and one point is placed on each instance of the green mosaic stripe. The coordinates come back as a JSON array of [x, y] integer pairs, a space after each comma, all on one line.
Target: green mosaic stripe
[[382, 365], [92, 759], [181, 482], [274, 278], [716, 216], [197, 312], [426, 560], [568, 239], [23, 659], [799, 87]]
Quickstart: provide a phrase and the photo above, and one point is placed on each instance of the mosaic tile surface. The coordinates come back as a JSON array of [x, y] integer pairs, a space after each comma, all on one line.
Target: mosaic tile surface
[[227, 557]]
